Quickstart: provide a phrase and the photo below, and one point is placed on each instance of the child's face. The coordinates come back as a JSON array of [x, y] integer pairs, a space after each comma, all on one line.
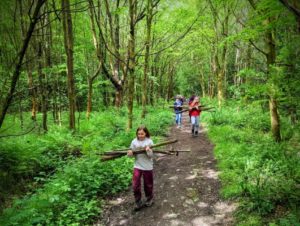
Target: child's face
[[196, 99], [141, 134]]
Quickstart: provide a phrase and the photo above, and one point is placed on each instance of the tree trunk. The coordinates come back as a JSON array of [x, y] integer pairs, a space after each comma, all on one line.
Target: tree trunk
[[220, 85], [32, 89], [113, 45], [32, 94], [271, 56], [89, 99], [170, 93], [90, 91], [222, 72], [202, 82], [68, 41], [55, 104], [116, 68], [220, 64], [42, 86], [21, 112], [131, 65], [18, 65], [138, 91], [147, 54], [275, 121]]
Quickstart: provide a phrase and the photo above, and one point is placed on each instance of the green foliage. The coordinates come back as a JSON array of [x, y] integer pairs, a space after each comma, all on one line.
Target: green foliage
[[72, 195], [253, 166]]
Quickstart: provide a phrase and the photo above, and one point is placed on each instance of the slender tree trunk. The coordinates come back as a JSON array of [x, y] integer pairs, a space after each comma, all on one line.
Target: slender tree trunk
[[271, 56], [220, 64], [131, 65], [59, 116], [151, 90], [222, 71], [55, 104], [220, 85], [215, 70], [202, 82], [116, 67], [147, 54], [68, 40], [138, 91], [105, 96], [42, 85], [237, 66], [89, 100], [114, 45], [275, 120], [44, 44], [90, 91], [33, 94], [32, 89], [21, 112], [42, 89], [170, 83], [18, 65]]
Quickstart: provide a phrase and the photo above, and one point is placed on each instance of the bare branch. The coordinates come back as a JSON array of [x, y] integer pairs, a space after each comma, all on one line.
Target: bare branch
[[16, 135], [258, 49], [290, 7]]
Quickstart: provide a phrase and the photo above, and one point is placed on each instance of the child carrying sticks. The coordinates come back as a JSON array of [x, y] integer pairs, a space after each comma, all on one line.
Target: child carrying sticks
[[143, 167], [194, 112], [178, 108]]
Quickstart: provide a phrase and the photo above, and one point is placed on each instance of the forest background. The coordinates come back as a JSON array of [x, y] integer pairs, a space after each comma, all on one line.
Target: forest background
[[77, 78]]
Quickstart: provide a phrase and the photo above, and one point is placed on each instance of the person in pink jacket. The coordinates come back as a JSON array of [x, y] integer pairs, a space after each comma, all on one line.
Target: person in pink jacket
[[194, 112]]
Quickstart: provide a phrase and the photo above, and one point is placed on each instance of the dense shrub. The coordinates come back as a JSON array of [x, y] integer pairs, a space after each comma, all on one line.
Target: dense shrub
[[71, 194], [262, 174]]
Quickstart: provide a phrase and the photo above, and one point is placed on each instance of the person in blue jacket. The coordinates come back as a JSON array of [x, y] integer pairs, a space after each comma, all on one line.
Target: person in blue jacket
[[178, 108]]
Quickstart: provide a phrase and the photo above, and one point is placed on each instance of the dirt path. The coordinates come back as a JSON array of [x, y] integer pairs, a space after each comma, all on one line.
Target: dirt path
[[186, 189]]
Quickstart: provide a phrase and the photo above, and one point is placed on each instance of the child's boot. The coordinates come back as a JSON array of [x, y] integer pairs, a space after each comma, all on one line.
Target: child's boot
[[149, 203], [138, 205]]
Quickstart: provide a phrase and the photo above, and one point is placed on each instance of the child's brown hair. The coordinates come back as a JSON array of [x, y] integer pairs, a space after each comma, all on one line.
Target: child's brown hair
[[144, 128]]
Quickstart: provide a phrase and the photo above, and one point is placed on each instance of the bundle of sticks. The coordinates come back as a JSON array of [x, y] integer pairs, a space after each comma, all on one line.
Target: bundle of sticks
[[185, 108], [110, 155]]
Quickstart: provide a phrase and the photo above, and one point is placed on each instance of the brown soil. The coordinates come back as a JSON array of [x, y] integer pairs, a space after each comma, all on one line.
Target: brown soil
[[186, 189]]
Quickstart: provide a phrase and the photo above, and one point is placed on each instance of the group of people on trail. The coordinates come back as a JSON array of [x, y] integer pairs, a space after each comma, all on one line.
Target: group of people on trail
[[143, 164], [194, 112]]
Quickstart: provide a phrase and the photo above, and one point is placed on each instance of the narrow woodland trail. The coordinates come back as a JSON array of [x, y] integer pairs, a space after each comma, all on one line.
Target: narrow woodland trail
[[186, 189]]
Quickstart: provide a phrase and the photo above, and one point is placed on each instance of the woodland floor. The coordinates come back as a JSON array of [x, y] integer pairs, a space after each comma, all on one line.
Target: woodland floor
[[186, 189]]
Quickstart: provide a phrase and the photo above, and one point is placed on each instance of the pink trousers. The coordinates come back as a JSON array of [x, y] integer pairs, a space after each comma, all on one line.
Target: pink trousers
[[148, 183]]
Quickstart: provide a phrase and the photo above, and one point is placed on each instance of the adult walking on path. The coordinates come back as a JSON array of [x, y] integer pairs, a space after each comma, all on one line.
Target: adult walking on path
[[186, 189]]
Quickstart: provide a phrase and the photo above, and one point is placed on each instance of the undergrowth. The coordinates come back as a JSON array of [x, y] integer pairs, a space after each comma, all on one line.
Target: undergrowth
[[262, 175], [61, 172]]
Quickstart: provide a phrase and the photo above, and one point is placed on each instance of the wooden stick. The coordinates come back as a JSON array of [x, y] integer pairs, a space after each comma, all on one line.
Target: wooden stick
[[117, 154], [186, 106], [201, 108], [111, 157], [139, 150]]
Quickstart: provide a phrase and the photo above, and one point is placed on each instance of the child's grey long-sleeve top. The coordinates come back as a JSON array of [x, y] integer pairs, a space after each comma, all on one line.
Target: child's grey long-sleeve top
[[143, 161]]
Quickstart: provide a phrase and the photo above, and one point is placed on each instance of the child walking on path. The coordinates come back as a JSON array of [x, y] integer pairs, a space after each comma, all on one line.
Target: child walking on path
[[143, 167], [195, 115], [178, 108], [190, 101]]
